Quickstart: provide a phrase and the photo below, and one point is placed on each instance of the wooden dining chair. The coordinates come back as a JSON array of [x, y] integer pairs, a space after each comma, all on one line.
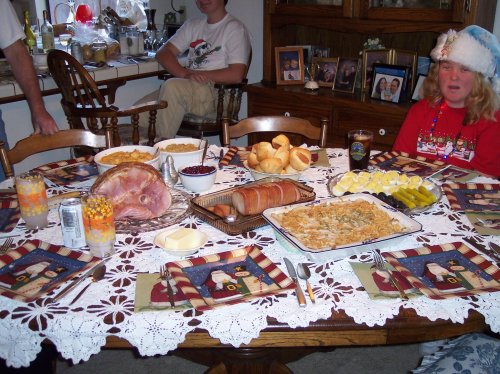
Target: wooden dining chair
[[281, 124], [83, 101], [41, 143]]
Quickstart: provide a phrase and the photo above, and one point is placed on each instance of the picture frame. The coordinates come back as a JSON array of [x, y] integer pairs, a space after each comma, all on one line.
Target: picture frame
[[389, 74], [416, 91], [324, 70], [319, 51], [347, 71], [289, 65], [370, 57], [406, 58]]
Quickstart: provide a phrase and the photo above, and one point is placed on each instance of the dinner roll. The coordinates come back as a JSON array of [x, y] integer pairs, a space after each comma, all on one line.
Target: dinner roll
[[283, 153], [252, 160], [280, 141], [265, 150], [271, 165], [300, 158], [290, 170]]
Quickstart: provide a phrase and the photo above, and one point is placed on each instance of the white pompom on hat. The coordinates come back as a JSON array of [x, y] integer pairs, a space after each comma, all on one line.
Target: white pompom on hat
[[473, 47]]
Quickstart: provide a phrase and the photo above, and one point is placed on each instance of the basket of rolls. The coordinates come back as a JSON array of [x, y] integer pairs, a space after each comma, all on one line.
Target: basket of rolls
[[277, 159]]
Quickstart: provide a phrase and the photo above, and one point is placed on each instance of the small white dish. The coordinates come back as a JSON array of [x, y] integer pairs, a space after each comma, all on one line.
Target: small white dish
[[197, 239], [198, 182]]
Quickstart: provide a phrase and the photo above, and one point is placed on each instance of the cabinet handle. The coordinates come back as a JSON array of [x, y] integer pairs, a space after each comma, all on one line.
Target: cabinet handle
[[381, 132], [287, 114], [468, 6]]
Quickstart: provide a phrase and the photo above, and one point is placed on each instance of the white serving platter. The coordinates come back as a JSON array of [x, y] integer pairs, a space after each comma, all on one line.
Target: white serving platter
[[319, 255]]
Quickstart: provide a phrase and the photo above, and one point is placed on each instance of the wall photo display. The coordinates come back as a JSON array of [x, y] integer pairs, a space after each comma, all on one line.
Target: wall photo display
[[289, 65]]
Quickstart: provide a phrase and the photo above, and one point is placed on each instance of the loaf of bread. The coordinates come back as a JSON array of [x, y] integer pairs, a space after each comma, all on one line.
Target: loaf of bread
[[255, 199]]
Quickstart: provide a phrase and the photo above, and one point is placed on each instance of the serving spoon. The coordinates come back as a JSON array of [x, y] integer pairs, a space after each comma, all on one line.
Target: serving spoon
[[97, 275]]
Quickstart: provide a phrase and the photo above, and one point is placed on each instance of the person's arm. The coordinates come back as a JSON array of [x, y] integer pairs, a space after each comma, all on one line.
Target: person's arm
[[487, 151], [24, 72], [167, 57]]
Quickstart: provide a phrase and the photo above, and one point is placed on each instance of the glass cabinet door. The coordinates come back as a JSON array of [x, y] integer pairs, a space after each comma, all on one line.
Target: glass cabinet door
[[311, 2], [411, 10]]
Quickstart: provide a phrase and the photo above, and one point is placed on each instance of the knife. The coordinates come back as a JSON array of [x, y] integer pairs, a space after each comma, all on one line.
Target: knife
[[77, 281], [293, 274]]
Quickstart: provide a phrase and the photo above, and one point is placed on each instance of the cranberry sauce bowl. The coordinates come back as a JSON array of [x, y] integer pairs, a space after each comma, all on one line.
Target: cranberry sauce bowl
[[198, 178]]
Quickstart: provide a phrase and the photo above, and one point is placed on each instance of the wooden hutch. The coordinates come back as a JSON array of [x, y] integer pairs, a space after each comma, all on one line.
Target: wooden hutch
[[344, 28]]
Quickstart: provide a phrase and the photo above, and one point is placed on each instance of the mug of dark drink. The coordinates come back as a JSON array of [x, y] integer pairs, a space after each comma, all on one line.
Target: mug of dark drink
[[360, 142]]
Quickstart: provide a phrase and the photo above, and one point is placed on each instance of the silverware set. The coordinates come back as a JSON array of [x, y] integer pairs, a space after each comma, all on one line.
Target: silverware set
[[303, 273], [381, 265], [165, 275]]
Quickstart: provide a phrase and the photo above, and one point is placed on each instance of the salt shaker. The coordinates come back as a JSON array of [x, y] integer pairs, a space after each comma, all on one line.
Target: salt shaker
[[170, 175]]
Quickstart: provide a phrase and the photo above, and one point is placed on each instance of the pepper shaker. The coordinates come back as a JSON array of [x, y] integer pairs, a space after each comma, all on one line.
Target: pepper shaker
[[170, 175]]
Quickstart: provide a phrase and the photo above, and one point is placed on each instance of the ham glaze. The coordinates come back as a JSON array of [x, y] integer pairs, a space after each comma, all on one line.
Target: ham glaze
[[137, 191]]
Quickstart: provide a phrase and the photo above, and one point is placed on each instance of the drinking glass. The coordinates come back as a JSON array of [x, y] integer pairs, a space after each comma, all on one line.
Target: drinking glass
[[360, 142], [65, 39], [99, 224], [32, 197], [83, 13]]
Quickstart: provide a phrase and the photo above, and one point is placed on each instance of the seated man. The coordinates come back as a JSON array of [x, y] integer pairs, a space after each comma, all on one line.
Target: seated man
[[218, 51]]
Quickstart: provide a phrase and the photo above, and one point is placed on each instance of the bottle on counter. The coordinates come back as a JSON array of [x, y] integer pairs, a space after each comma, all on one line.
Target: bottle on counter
[[99, 48], [30, 39], [47, 32]]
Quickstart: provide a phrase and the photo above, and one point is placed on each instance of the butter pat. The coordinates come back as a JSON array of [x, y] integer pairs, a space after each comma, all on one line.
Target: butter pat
[[182, 239]]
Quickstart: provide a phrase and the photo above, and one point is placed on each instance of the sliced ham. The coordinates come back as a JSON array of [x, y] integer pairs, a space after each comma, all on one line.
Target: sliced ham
[[136, 190]]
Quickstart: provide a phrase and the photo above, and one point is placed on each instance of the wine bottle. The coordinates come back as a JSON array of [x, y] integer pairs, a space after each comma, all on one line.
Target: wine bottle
[[47, 32], [30, 39]]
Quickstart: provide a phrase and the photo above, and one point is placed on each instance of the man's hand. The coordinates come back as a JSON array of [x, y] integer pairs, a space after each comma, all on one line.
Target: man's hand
[[44, 124], [198, 76]]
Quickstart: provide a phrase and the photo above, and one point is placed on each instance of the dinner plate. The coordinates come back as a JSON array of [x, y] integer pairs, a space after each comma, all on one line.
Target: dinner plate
[[341, 251], [473, 197], [34, 269], [446, 270], [434, 189], [228, 278], [402, 162], [72, 171], [175, 213], [9, 213]]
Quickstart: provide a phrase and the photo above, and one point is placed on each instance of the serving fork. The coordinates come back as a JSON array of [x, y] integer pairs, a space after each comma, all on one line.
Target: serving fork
[[165, 275], [381, 265], [4, 248]]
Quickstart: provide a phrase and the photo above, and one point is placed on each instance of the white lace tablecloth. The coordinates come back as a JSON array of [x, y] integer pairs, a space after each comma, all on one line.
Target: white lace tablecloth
[[107, 307]]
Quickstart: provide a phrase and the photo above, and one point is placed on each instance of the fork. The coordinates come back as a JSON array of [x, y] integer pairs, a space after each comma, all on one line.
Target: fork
[[6, 246], [382, 266], [165, 275]]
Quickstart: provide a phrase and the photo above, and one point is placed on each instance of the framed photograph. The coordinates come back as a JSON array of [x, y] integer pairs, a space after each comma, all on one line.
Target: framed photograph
[[423, 65], [346, 74], [324, 70], [318, 51], [406, 58], [370, 57], [416, 91], [289, 65], [389, 82]]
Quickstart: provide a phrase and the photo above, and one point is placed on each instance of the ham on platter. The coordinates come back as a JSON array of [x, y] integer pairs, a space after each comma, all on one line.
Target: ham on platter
[[137, 191]]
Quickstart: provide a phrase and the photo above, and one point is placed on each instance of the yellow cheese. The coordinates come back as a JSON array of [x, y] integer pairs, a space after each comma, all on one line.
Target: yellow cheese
[[181, 239]]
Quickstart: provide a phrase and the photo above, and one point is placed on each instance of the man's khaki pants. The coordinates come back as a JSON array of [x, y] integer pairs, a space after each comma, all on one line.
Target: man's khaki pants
[[183, 96]]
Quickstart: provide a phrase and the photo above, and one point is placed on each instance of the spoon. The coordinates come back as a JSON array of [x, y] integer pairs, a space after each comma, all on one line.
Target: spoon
[[97, 275], [204, 152], [304, 273]]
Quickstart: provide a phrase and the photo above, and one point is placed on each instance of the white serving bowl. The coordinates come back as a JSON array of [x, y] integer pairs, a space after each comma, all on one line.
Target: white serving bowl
[[198, 182], [101, 167], [182, 159], [261, 175]]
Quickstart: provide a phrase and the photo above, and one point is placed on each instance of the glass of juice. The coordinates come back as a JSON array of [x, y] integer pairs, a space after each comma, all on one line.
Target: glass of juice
[[99, 224], [32, 198]]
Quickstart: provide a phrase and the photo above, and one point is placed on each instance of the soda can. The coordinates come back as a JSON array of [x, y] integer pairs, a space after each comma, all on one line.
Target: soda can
[[77, 52], [70, 213]]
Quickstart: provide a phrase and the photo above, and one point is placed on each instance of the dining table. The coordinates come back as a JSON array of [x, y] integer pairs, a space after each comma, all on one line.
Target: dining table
[[265, 332]]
